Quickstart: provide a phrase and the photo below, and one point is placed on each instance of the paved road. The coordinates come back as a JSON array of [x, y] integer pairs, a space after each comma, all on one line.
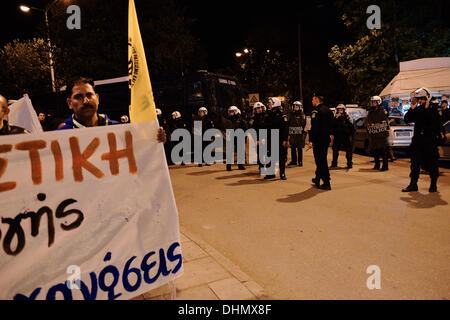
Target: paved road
[[302, 243]]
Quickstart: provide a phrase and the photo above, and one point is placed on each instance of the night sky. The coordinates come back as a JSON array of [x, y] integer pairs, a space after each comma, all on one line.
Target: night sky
[[222, 26]]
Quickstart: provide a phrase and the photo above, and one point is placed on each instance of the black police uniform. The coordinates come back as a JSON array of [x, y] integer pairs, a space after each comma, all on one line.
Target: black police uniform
[[277, 121], [163, 123], [297, 123], [238, 122], [427, 130], [377, 124], [319, 135], [343, 131], [259, 121]]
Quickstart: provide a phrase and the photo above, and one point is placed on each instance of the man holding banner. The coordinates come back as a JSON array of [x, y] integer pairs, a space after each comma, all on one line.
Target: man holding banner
[[89, 214]]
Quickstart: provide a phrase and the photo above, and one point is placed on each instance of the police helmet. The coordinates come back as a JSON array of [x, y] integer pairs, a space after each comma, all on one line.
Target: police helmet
[[422, 93]]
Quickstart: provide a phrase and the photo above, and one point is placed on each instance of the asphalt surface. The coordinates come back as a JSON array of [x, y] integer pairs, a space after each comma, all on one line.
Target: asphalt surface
[[302, 243]]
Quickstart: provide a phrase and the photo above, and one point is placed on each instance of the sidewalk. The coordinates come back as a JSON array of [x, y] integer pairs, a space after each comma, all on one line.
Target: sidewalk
[[208, 275]]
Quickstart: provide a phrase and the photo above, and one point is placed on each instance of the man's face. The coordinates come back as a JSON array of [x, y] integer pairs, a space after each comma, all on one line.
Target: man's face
[[315, 101], [444, 105], [41, 116], [201, 113], [4, 110], [296, 107], [422, 100], [340, 110], [374, 103], [258, 109], [83, 101], [414, 101]]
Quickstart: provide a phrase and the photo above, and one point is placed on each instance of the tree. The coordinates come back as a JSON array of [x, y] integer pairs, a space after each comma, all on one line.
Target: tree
[[26, 64], [409, 30], [99, 49]]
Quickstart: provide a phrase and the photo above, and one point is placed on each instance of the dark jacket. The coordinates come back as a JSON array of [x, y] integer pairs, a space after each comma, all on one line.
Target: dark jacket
[[321, 125], [297, 123], [177, 124], [427, 124], [103, 120], [238, 122], [377, 125], [343, 131], [259, 121], [276, 120], [7, 129]]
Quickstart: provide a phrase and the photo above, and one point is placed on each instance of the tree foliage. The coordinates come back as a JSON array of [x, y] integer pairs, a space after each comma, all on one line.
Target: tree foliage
[[26, 67], [409, 30], [99, 49]]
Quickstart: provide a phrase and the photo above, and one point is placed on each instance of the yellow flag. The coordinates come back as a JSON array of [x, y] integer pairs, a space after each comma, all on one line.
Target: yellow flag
[[142, 106]]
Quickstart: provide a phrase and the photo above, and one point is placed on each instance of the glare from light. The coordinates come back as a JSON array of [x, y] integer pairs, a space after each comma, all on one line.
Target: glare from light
[[246, 51], [238, 54], [25, 8]]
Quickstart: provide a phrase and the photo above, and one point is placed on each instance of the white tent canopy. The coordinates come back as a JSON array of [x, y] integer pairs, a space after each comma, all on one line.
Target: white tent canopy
[[431, 73]]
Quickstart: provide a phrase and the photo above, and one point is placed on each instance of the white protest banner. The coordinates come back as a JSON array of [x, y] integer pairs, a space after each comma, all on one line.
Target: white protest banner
[[98, 201]]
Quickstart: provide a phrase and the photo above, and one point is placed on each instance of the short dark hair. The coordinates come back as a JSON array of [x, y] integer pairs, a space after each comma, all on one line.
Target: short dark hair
[[444, 101], [77, 81], [318, 97]]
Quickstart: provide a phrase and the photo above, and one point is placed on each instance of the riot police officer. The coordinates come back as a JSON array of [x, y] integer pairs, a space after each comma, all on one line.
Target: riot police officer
[[207, 124], [297, 123], [163, 123], [377, 125], [277, 121], [320, 138], [427, 130], [238, 122], [343, 132], [258, 121]]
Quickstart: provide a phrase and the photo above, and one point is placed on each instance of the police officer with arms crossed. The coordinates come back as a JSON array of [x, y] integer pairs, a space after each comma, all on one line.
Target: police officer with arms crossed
[[427, 130], [320, 138]]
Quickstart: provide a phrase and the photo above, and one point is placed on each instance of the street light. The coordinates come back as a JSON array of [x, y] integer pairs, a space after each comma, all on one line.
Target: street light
[[27, 9], [238, 54]]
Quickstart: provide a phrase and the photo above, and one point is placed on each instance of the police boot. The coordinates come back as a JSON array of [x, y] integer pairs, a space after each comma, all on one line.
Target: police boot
[[228, 167], [411, 187], [241, 167], [377, 165], [325, 186], [269, 176], [333, 165], [385, 166], [433, 185], [316, 181]]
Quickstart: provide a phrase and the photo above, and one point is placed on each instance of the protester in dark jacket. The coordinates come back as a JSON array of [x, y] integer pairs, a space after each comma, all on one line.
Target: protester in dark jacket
[[84, 101]]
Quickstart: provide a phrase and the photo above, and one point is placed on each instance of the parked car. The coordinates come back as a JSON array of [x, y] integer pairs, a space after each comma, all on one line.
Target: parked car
[[400, 134], [444, 149]]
